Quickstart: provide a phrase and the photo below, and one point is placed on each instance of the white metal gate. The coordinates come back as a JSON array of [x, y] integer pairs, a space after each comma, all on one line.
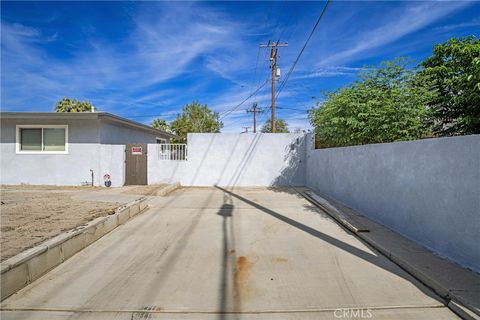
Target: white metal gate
[[172, 151]]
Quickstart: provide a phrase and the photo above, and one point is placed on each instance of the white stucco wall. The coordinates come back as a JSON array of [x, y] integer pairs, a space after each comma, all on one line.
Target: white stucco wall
[[52, 169], [428, 190], [161, 171], [85, 153], [261, 159], [112, 161], [115, 133]]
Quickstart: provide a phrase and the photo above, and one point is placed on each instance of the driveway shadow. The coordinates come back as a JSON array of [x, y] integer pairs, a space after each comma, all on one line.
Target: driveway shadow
[[370, 258]]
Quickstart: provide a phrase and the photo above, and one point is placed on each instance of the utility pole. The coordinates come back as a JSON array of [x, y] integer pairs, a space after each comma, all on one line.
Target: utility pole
[[255, 110], [273, 66]]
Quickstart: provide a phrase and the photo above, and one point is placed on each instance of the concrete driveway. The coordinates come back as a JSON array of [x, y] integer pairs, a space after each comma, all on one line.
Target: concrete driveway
[[212, 253]]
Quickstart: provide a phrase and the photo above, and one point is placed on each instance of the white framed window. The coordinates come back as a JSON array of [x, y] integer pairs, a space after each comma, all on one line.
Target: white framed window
[[42, 139], [160, 140]]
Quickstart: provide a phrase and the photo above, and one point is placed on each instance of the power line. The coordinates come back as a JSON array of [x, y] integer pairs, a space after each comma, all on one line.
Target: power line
[[256, 67], [265, 58], [285, 108], [255, 110], [282, 85], [226, 113], [266, 117], [287, 24], [265, 28], [273, 58], [162, 116]]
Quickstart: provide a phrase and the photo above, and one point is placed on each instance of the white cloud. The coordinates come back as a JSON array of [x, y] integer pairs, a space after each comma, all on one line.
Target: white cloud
[[163, 44], [395, 25], [175, 51], [469, 24], [330, 71]]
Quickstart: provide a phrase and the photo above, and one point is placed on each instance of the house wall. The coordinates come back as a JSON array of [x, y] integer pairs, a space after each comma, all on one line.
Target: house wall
[[112, 161], [52, 169], [116, 133], [428, 190], [98, 145], [260, 159]]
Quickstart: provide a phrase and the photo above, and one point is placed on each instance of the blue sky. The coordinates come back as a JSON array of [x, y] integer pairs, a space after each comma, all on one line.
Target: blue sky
[[144, 60]]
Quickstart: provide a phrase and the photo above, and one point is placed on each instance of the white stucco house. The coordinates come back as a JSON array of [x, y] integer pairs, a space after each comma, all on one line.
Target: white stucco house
[[70, 148]]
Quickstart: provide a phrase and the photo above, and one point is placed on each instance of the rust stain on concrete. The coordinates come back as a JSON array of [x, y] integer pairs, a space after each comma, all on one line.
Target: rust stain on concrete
[[241, 277], [270, 229], [280, 260]]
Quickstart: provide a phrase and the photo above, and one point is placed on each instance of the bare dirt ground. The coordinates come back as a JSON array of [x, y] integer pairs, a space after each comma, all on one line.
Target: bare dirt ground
[[40, 187], [30, 215]]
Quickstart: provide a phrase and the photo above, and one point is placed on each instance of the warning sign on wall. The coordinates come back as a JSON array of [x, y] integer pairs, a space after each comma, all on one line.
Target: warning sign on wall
[[137, 150]]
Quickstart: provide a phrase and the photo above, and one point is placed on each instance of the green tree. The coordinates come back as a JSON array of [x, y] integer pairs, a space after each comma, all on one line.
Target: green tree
[[161, 124], [195, 118], [280, 126], [72, 105], [385, 104], [454, 70]]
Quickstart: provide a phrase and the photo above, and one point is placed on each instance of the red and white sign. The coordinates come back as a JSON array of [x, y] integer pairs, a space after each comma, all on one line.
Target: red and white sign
[[137, 150]]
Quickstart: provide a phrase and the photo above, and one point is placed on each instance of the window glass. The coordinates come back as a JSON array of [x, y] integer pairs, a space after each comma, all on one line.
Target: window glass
[[161, 141], [54, 139], [31, 139]]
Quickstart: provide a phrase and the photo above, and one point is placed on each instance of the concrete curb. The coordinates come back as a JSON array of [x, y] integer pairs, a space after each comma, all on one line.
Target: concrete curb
[[167, 189], [463, 311], [452, 301], [333, 212], [455, 304], [31, 264]]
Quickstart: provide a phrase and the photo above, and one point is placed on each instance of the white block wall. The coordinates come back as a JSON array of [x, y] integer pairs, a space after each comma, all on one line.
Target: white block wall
[[260, 159]]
